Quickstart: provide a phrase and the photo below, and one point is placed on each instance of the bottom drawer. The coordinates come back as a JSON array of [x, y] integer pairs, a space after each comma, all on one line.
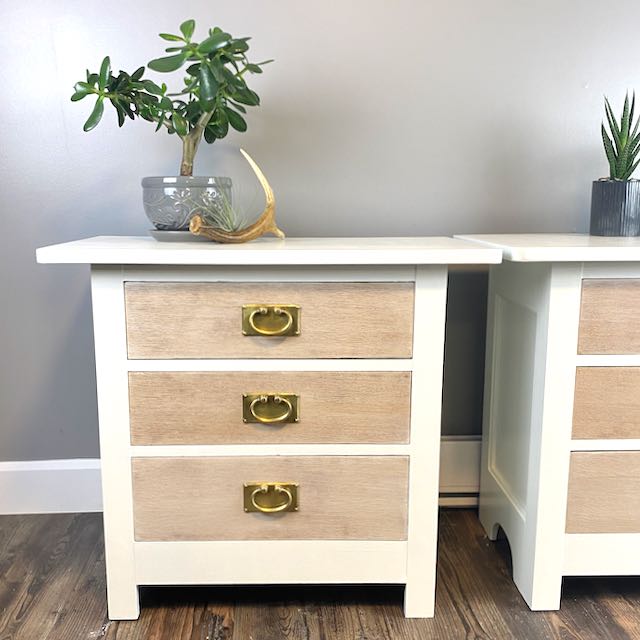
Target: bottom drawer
[[604, 492], [339, 498]]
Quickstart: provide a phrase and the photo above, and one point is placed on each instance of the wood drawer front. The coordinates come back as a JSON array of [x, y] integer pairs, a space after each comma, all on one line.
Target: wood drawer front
[[604, 492], [204, 320], [609, 314], [206, 407], [607, 403], [340, 498]]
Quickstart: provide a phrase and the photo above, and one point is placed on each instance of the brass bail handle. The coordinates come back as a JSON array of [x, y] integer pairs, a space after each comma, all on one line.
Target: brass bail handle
[[263, 489], [263, 311], [278, 400]]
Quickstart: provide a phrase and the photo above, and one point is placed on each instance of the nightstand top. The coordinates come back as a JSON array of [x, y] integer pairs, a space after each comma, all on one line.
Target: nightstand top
[[560, 247], [270, 251]]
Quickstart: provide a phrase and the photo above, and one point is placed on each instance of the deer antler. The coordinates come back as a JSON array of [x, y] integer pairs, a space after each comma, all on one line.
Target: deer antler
[[266, 223]]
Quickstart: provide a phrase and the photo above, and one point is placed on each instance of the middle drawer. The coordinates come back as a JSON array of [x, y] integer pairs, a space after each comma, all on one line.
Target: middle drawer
[[342, 407]]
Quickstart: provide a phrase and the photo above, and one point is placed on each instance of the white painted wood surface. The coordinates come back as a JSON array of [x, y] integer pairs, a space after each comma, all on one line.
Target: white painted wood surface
[[424, 467], [113, 417], [559, 247], [601, 554], [132, 250], [271, 562]]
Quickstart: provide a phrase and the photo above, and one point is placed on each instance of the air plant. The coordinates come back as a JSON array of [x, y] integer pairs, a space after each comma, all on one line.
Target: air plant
[[622, 142], [214, 96]]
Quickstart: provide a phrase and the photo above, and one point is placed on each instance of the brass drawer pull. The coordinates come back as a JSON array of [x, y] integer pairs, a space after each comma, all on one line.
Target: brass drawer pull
[[270, 497], [270, 408], [270, 320]]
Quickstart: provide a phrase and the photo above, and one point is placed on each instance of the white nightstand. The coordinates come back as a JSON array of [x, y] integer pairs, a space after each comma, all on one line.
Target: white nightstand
[[270, 412], [561, 443]]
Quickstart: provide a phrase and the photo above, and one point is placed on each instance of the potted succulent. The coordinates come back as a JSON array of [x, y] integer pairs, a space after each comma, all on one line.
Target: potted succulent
[[615, 201], [213, 98]]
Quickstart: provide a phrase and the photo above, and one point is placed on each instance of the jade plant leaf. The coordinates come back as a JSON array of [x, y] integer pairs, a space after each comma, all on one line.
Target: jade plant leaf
[[170, 63], [96, 115]]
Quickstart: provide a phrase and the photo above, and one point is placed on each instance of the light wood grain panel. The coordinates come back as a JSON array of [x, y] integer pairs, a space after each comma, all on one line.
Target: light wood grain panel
[[604, 492], [607, 403], [340, 498], [609, 316], [206, 407], [203, 320]]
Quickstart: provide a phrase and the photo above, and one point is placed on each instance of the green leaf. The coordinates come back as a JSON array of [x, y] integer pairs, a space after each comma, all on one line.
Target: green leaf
[[165, 65], [629, 173], [246, 96], [624, 122], [95, 116], [83, 87], [105, 72], [239, 107], [152, 87], [233, 79], [613, 125], [611, 155], [119, 110], [239, 46], [254, 68], [172, 49], [179, 124], [217, 69], [193, 69], [187, 28], [166, 104], [634, 146], [214, 42], [236, 120], [137, 74], [160, 122], [171, 37], [208, 87], [78, 95], [209, 135]]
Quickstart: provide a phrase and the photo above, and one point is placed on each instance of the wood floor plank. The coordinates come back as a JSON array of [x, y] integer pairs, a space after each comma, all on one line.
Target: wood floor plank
[[52, 587]]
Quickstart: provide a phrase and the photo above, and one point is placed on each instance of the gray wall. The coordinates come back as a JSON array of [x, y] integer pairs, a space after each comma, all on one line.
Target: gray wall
[[379, 118]]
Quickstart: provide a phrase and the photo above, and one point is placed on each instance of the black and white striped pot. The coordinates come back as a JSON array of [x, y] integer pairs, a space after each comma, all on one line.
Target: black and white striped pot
[[615, 208]]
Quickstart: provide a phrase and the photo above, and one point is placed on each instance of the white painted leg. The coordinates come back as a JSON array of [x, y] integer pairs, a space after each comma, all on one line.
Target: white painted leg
[[539, 581], [113, 411], [426, 401], [123, 600]]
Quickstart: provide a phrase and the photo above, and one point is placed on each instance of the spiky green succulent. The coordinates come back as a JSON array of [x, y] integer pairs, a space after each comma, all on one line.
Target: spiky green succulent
[[622, 141]]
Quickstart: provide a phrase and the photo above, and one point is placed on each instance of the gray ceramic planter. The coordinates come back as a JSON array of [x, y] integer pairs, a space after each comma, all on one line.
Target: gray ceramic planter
[[615, 208], [170, 202]]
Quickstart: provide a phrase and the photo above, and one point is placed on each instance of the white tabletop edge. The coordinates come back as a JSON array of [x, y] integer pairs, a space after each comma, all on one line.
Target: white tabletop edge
[[118, 250], [559, 247]]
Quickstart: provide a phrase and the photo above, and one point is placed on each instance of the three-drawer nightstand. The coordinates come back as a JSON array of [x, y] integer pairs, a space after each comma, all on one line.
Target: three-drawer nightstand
[[269, 412], [561, 444]]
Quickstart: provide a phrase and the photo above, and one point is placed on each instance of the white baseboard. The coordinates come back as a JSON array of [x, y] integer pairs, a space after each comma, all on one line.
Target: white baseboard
[[50, 486], [73, 486]]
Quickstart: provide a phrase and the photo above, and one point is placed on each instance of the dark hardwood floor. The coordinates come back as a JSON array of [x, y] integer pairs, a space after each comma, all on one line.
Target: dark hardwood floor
[[52, 586]]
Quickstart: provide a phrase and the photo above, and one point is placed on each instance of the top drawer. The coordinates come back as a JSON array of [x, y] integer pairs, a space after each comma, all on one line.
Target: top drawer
[[205, 320], [609, 314]]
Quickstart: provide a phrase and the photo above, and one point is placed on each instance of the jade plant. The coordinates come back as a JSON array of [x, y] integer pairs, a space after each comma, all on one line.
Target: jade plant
[[622, 142], [214, 95]]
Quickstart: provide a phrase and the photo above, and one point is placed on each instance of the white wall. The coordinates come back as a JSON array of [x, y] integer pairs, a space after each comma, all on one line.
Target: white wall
[[378, 118]]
